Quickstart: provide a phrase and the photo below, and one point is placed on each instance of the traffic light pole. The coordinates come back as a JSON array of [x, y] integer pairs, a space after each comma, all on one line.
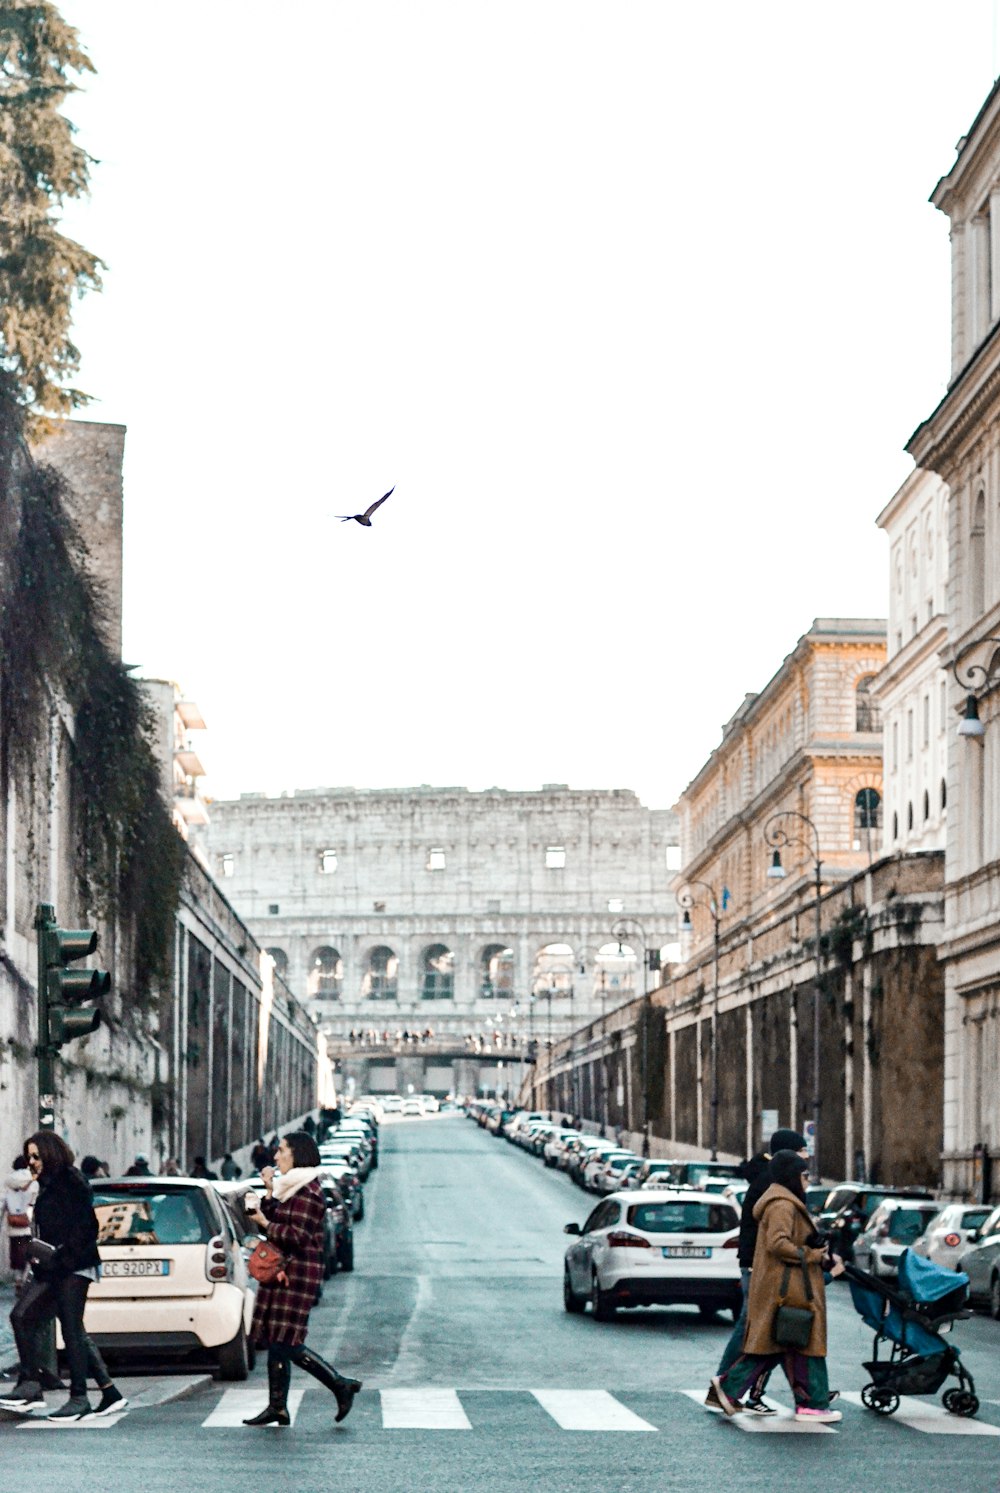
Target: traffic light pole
[[45, 920]]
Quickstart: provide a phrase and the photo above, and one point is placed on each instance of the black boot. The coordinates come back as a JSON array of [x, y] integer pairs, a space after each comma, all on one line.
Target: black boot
[[343, 1389], [279, 1376]]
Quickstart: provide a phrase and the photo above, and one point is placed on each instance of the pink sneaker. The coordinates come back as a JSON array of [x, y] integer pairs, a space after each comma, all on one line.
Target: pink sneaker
[[818, 1417]]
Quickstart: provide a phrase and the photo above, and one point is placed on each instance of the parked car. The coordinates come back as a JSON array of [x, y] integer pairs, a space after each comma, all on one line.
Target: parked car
[[896, 1224], [618, 1168], [555, 1145], [392, 1104], [431, 1104], [598, 1161], [651, 1168], [338, 1235], [981, 1263], [850, 1205], [348, 1151], [581, 1152], [947, 1237], [654, 1248], [174, 1282]]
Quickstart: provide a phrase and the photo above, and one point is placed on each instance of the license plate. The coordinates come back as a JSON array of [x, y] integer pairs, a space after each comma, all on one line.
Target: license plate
[[685, 1252], [135, 1267]]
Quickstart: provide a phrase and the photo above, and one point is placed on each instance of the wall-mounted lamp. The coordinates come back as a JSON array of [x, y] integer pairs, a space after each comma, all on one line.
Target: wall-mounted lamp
[[967, 676], [776, 871]]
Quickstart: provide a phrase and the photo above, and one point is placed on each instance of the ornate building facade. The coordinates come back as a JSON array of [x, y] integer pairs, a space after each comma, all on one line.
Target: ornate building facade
[[912, 689], [960, 443], [438, 908]]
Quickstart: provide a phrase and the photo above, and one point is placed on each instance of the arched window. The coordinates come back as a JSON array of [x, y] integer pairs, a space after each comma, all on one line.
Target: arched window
[[867, 716], [944, 794], [438, 965], [895, 827], [909, 816], [614, 975], [977, 556], [280, 962], [554, 966], [927, 805], [496, 966], [867, 809], [380, 981], [326, 973]]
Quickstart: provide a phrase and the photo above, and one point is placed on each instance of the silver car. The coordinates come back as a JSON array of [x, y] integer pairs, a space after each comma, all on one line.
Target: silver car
[[981, 1263], [895, 1225], [947, 1237]]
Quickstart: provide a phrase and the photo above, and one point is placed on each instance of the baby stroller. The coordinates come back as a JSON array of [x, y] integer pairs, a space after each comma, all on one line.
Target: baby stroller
[[910, 1318]]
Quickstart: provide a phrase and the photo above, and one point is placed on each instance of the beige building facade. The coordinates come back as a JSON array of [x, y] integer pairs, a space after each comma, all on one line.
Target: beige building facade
[[912, 689], [960, 443]]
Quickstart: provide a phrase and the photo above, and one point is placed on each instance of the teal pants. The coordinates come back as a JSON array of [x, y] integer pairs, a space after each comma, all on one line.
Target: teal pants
[[806, 1376]]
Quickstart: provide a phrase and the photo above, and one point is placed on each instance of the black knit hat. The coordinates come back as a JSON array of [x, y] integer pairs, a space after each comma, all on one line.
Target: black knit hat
[[787, 1169], [787, 1140]]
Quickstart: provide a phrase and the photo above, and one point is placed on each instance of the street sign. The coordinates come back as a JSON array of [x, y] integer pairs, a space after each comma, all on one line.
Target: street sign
[[809, 1131]]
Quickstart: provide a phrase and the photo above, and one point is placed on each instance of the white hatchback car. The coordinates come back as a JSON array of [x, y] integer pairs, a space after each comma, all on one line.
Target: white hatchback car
[[947, 1236], [897, 1224], [413, 1106], [649, 1248], [174, 1280]]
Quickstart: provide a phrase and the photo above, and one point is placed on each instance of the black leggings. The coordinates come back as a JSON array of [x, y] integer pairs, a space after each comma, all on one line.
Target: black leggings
[[37, 1305]]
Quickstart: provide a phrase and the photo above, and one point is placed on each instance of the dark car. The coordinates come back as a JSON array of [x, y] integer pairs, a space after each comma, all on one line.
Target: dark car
[[349, 1184], [849, 1207], [338, 1235]]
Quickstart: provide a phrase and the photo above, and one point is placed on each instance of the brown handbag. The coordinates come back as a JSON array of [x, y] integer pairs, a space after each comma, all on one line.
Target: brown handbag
[[267, 1264]]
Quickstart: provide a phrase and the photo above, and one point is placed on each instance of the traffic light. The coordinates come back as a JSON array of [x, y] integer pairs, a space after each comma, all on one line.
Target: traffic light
[[63, 1009]]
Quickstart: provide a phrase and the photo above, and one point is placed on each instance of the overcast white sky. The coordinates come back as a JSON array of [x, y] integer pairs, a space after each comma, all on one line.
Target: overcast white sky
[[636, 304]]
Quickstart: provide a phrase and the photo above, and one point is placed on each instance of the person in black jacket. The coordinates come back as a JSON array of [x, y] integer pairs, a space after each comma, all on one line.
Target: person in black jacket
[[756, 1171], [64, 1260]]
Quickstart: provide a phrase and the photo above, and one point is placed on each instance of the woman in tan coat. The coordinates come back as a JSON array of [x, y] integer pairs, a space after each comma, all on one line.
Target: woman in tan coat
[[785, 1227]]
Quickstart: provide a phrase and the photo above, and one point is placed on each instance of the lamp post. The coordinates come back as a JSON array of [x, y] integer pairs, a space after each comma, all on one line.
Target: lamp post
[[625, 929], [687, 900], [776, 835], [970, 725]]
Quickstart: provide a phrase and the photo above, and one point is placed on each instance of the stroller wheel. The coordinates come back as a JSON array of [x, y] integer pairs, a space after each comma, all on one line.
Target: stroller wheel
[[960, 1402], [882, 1401]]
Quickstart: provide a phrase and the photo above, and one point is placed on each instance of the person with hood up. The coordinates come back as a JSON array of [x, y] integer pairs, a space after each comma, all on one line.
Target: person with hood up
[[756, 1171], [16, 1202], [787, 1246]]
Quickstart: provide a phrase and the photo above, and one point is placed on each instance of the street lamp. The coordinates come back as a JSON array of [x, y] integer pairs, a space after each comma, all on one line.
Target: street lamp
[[776, 836], [687, 900], [626, 929], [970, 725]]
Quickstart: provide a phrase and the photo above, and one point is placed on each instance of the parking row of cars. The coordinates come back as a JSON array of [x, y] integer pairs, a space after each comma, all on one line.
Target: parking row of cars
[[871, 1225], [174, 1283]]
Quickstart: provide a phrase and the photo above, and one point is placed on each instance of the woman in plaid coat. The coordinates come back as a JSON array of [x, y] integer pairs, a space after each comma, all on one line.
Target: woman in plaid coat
[[291, 1217]]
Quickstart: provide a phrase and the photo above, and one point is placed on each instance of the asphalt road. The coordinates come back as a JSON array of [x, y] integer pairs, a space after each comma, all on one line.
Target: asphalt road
[[476, 1379]]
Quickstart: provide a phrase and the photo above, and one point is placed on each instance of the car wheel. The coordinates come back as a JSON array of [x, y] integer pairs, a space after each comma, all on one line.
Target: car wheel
[[995, 1298], [601, 1305], [234, 1357], [347, 1256], [571, 1301]]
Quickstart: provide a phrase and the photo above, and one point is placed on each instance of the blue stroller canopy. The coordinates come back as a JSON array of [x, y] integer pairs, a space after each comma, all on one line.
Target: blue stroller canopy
[[926, 1281], [923, 1281]]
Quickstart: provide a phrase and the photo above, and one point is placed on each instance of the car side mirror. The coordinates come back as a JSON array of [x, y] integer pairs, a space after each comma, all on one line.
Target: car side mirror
[[973, 1236], [571, 1228]]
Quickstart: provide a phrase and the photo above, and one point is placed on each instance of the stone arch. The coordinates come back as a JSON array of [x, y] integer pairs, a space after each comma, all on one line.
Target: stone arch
[[326, 973], [437, 973], [280, 961], [614, 972], [496, 972], [554, 966], [381, 977]]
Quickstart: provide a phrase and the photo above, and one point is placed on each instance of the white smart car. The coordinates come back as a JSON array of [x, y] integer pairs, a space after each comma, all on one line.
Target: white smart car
[[655, 1248], [174, 1281]]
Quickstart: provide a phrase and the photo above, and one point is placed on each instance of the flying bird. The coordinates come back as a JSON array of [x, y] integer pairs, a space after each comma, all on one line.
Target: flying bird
[[366, 517]]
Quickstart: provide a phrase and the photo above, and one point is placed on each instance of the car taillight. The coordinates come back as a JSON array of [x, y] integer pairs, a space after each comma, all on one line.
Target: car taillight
[[619, 1239], [952, 1240], [217, 1262], [733, 1243]]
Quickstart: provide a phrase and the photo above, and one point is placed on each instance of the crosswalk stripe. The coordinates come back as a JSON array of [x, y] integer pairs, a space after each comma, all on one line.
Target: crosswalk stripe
[[589, 1410], [424, 1409], [89, 1423], [781, 1422], [933, 1420], [237, 1404]]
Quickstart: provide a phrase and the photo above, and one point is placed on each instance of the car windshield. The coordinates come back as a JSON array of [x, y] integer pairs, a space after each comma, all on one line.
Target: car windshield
[[907, 1224], [683, 1218], [872, 1201], [147, 1216]]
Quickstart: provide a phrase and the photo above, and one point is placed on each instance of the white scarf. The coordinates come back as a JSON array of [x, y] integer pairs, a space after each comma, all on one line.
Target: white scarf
[[285, 1185]]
